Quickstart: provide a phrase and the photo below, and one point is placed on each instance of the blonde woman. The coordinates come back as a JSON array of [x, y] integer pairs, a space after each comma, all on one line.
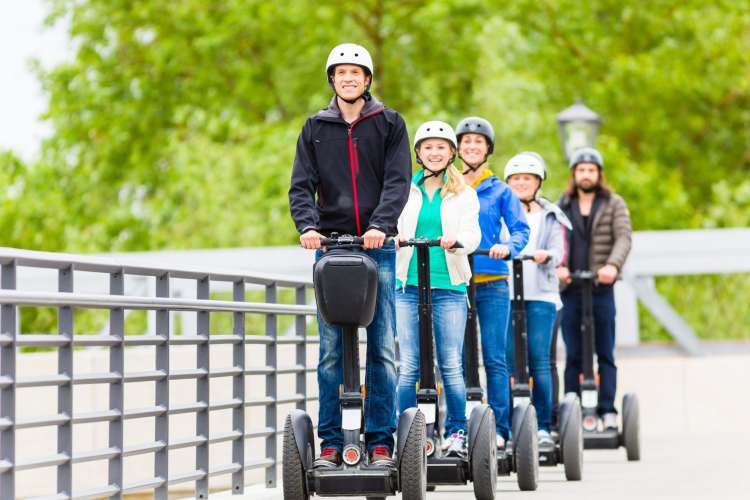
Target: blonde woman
[[440, 206]]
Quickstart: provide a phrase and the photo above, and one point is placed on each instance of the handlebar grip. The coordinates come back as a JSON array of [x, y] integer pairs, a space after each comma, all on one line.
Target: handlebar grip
[[424, 242]]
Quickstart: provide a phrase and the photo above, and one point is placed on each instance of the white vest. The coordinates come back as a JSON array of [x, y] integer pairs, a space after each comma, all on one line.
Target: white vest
[[459, 217]]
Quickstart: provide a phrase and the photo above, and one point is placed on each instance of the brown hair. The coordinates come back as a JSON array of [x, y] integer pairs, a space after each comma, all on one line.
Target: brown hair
[[601, 186]]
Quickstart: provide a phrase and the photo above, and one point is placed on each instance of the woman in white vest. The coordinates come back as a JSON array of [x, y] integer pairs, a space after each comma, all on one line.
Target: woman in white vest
[[440, 206]]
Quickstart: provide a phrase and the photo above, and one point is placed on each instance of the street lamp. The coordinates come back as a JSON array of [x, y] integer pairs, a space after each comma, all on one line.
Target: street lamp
[[578, 127]]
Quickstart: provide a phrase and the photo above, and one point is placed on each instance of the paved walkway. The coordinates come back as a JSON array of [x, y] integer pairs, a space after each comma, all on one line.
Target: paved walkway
[[695, 439]]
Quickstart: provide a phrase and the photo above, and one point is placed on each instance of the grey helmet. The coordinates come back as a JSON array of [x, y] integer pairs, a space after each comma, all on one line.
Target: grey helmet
[[477, 125], [586, 155]]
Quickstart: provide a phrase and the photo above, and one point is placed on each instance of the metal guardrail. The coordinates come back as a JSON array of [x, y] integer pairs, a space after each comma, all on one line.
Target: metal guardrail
[[116, 376]]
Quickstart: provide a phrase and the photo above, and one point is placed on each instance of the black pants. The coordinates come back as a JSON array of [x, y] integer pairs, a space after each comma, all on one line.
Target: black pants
[[604, 344]]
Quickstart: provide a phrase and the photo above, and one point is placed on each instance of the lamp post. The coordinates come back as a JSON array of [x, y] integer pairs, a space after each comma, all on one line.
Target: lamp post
[[578, 126]]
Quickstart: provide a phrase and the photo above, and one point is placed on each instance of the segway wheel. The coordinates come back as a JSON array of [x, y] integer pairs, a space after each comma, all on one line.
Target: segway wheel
[[630, 427], [526, 451], [413, 469], [571, 438], [293, 472], [484, 458]]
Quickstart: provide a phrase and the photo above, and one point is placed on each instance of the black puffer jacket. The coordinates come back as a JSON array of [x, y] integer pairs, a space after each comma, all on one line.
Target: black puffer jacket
[[351, 177]]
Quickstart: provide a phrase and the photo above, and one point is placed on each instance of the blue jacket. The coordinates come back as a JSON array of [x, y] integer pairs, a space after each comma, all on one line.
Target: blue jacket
[[498, 204]]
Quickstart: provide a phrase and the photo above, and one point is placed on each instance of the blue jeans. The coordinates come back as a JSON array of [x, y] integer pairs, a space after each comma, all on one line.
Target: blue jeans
[[449, 310], [380, 372], [493, 305], [540, 317], [604, 344]]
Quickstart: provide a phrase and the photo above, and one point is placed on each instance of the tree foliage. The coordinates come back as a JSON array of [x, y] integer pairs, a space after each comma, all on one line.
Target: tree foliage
[[175, 122]]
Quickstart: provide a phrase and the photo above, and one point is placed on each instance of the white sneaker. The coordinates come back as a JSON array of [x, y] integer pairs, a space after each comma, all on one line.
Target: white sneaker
[[610, 421], [499, 441], [457, 444], [545, 440]]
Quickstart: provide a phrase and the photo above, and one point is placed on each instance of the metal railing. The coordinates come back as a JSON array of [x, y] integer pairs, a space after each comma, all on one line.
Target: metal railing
[[67, 418]]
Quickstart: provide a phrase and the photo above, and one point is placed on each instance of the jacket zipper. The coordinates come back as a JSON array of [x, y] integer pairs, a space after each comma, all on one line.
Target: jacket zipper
[[354, 166]]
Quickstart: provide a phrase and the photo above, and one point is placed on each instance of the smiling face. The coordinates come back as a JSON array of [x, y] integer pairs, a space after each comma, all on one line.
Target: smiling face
[[435, 154], [586, 176], [350, 80], [524, 185], [473, 148]]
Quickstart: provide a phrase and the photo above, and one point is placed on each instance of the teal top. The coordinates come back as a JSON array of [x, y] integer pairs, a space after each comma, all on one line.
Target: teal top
[[429, 225]]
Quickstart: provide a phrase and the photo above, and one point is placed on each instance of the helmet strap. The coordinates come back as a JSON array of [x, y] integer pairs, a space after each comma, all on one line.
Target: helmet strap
[[429, 173], [474, 168], [365, 95]]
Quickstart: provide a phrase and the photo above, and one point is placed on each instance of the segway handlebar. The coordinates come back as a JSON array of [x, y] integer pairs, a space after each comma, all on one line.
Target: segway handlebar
[[583, 275], [346, 240], [424, 242], [486, 251]]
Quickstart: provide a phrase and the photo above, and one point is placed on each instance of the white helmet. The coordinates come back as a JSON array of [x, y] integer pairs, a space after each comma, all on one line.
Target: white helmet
[[435, 129], [349, 53], [527, 162]]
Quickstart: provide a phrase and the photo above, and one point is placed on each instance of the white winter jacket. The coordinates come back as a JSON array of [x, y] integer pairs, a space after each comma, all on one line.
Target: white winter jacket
[[459, 216]]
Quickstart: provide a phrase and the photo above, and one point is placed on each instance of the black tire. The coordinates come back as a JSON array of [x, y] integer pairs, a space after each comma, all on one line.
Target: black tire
[[571, 438], [526, 450], [413, 469], [631, 427], [293, 473], [484, 458]]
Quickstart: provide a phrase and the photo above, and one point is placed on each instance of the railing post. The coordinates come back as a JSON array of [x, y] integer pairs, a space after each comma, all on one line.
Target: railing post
[[161, 422], [238, 390], [65, 391], [116, 389], [271, 360], [202, 392], [300, 330], [8, 394]]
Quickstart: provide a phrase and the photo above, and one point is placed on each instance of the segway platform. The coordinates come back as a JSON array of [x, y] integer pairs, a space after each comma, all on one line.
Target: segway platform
[[447, 470], [351, 481], [608, 439]]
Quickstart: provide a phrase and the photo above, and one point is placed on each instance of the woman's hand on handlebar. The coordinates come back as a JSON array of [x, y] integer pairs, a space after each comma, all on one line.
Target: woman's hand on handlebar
[[499, 251], [541, 256], [563, 274], [310, 240], [373, 239], [446, 243]]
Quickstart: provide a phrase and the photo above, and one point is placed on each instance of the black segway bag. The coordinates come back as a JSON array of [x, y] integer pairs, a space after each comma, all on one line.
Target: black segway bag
[[346, 287]]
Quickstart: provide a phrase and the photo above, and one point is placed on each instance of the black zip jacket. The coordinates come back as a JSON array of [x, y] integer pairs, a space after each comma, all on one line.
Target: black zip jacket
[[349, 178]]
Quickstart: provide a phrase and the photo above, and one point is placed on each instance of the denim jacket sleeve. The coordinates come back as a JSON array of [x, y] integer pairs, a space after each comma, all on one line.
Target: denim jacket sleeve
[[515, 220]]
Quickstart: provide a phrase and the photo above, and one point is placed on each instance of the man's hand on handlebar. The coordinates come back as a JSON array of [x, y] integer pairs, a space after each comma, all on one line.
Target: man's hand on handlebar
[[310, 240], [499, 251], [607, 274], [373, 239], [563, 274]]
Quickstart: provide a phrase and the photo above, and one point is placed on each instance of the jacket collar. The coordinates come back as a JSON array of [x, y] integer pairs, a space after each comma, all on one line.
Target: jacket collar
[[487, 181], [332, 112], [551, 208]]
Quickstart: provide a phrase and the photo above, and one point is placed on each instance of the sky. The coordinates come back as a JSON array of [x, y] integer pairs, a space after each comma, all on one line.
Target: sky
[[23, 37]]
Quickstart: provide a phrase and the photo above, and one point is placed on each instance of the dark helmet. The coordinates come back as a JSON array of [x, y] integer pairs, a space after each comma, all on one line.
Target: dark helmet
[[476, 125], [586, 155]]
